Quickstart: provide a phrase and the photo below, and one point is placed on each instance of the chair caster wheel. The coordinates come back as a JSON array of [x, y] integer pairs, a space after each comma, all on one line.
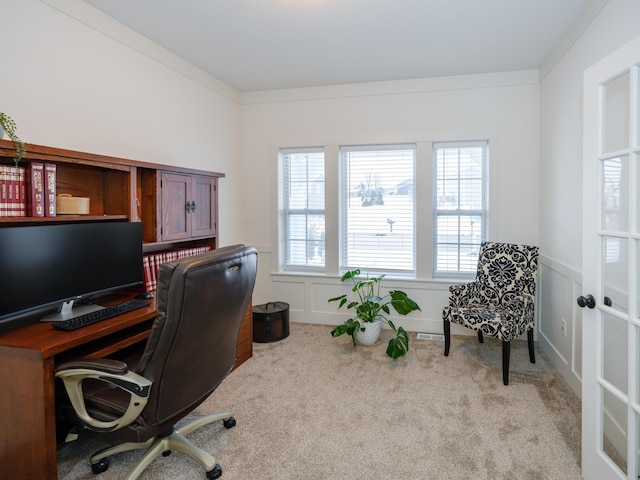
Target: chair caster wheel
[[229, 422], [215, 473], [100, 466], [166, 453]]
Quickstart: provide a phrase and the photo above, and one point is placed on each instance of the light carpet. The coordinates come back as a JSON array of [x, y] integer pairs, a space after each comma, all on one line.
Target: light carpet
[[314, 407]]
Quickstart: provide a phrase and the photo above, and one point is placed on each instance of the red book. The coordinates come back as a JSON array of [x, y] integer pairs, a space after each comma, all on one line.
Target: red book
[[50, 189], [23, 191], [16, 206], [11, 184], [152, 272], [148, 279], [35, 189], [21, 194], [4, 191]]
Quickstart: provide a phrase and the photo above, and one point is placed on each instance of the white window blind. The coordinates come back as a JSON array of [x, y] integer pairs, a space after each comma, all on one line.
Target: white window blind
[[615, 207], [460, 221], [377, 231], [302, 206]]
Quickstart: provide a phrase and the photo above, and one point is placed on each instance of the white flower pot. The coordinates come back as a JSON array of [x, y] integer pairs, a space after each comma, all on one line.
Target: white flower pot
[[371, 332]]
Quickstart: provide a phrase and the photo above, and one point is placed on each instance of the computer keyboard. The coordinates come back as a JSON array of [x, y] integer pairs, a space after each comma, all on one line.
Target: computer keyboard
[[99, 315]]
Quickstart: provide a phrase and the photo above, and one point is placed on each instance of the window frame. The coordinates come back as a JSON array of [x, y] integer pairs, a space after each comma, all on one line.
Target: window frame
[[424, 198], [344, 197], [284, 241], [482, 212]]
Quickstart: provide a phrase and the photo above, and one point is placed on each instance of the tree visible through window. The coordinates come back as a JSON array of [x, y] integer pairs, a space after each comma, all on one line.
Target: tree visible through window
[[461, 205], [302, 205], [377, 208]]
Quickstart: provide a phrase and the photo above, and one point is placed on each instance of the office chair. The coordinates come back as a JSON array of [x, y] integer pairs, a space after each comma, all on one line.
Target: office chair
[[201, 301], [500, 302]]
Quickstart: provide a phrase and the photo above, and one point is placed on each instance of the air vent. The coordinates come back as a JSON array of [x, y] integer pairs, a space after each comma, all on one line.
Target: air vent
[[431, 336]]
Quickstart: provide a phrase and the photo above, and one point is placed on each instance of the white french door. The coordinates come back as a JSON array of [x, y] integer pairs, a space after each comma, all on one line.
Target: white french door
[[611, 267]]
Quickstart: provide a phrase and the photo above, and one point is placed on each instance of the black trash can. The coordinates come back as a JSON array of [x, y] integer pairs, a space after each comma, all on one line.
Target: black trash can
[[270, 322]]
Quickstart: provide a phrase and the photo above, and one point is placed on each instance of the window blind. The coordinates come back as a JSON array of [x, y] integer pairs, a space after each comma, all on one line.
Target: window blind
[[460, 205], [302, 203], [377, 228]]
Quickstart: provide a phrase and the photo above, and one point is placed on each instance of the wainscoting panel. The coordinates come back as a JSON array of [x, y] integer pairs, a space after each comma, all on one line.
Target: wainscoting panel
[[560, 320]]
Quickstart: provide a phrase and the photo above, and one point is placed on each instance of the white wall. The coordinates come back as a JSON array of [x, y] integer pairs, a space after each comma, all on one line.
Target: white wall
[[561, 182], [502, 107], [73, 78]]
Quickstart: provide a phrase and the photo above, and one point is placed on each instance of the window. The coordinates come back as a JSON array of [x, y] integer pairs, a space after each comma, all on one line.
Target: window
[[377, 231], [302, 207], [460, 222]]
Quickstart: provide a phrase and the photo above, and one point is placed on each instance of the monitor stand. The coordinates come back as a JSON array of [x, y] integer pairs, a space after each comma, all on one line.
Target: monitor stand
[[67, 311]]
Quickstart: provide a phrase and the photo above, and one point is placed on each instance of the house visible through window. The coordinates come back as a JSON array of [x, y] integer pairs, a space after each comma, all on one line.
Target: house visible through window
[[377, 228], [302, 207], [460, 213]]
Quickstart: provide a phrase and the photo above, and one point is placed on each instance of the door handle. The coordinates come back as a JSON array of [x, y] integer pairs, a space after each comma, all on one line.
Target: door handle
[[587, 301]]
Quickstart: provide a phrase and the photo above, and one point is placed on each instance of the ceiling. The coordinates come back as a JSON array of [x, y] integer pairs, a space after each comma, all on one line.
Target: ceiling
[[255, 45]]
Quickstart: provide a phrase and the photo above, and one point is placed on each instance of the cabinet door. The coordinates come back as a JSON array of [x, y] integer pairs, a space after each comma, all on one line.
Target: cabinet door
[[176, 218], [203, 214]]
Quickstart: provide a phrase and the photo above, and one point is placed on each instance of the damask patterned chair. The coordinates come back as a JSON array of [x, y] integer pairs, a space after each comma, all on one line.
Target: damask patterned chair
[[500, 302]]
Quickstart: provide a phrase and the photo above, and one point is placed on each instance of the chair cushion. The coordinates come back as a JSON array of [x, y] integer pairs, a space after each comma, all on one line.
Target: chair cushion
[[504, 323]]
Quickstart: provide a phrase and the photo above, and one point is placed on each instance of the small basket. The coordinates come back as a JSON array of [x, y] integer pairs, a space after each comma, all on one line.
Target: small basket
[[68, 205]]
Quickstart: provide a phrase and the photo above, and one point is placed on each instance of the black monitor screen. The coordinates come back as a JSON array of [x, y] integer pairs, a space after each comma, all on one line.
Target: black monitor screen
[[45, 265]]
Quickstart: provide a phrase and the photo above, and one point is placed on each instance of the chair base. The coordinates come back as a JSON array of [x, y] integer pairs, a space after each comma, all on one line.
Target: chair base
[[506, 349], [164, 445]]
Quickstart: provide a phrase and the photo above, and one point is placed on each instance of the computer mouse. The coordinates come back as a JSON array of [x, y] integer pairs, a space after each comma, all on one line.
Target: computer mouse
[[144, 295]]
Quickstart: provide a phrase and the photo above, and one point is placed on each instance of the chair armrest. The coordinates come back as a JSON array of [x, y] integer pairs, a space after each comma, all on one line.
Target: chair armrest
[[520, 308], [111, 371], [463, 294], [521, 300], [106, 365]]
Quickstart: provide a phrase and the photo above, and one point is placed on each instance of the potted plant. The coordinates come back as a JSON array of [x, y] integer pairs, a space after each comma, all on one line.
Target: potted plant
[[8, 125], [371, 307]]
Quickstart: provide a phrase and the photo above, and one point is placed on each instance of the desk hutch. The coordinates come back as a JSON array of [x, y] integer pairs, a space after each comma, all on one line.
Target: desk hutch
[[162, 198]]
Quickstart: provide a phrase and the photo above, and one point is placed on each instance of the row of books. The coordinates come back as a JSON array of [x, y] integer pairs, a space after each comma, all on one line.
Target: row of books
[[28, 191], [152, 262]]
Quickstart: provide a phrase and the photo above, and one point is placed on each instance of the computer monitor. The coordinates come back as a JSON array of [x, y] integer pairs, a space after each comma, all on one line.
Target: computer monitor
[[53, 265]]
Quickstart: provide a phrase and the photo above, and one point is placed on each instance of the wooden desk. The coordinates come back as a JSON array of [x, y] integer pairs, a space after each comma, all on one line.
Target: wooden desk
[[28, 357]]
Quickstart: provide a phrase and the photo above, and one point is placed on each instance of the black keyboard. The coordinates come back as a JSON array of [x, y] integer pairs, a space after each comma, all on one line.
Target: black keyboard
[[99, 315]]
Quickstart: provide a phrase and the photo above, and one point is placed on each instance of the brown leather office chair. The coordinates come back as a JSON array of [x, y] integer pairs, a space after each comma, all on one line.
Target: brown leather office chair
[[192, 346]]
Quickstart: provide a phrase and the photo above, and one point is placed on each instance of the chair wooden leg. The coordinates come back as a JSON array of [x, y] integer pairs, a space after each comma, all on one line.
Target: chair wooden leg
[[532, 355], [480, 337], [506, 351], [447, 336]]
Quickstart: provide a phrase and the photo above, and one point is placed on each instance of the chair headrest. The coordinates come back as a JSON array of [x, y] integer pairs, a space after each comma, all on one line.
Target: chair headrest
[[167, 270]]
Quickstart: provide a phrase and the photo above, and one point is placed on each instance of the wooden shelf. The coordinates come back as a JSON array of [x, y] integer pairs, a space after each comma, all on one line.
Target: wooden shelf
[[63, 219], [122, 189]]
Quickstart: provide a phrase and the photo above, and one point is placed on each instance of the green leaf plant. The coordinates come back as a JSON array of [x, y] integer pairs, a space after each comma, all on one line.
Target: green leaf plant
[[370, 306], [9, 126]]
